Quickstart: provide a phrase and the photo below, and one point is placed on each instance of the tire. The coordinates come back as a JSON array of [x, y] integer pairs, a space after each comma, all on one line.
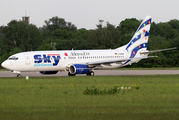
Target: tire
[[69, 74], [18, 75], [91, 73]]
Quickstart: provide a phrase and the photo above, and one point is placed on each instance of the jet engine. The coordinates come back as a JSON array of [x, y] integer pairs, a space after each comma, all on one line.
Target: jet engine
[[79, 69]]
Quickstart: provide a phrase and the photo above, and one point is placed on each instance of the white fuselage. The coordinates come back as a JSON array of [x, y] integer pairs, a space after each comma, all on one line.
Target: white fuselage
[[59, 60]]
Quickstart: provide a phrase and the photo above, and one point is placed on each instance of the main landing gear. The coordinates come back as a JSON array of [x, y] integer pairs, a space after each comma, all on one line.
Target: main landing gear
[[69, 74], [91, 73]]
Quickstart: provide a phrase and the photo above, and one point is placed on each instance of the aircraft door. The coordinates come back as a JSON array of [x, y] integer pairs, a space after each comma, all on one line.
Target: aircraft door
[[27, 59]]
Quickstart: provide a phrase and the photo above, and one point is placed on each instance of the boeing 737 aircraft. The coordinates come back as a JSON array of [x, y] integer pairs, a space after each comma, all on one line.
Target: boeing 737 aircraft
[[84, 61]]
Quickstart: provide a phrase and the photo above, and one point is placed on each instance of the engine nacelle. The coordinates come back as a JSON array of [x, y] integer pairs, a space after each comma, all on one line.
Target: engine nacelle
[[48, 72], [79, 69]]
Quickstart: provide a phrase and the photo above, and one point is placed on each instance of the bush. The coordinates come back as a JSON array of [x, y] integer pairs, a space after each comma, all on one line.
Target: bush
[[96, 91]]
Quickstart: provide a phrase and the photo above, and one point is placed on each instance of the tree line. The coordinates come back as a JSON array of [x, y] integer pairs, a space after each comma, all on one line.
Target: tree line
[[58, 34]]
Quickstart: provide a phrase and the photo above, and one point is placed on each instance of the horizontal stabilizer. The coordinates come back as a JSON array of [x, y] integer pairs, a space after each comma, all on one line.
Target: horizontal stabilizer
[[147, 52], [152, 56]]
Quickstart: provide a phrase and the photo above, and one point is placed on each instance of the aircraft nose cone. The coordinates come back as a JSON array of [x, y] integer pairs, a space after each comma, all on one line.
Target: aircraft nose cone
[[4, 64]]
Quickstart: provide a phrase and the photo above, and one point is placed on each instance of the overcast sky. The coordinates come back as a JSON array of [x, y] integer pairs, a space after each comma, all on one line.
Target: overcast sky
[[86, 13]]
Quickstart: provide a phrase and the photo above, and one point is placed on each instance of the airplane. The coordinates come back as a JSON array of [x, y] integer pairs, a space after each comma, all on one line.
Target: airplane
[[84, 61]]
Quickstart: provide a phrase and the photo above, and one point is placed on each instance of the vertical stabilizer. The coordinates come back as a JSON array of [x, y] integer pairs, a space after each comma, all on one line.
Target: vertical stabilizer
[[139, 41]]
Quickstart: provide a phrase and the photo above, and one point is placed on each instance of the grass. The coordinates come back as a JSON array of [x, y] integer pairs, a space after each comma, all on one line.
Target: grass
[[4, 70], [150, 97]]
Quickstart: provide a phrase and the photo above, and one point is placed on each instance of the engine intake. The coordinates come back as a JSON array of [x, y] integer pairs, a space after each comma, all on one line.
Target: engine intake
[[79, 69], [48, 72]]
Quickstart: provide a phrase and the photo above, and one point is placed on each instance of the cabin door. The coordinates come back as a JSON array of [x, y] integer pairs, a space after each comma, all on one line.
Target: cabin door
[[27, 59]]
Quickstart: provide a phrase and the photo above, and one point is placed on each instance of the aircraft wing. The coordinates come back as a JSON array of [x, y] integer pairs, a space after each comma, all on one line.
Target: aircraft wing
[[112, 61]]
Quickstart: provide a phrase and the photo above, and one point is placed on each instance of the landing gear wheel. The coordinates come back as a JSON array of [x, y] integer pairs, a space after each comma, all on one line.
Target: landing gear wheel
[[69, 74], [91, 73], [18, 75]]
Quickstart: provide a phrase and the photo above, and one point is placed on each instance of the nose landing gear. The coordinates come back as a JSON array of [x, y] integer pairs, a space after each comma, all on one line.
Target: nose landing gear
[[18, 75], [17, 72]]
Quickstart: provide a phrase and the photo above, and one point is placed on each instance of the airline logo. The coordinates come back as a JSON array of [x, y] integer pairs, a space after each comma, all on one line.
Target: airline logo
[[46, 60], [65, 54]]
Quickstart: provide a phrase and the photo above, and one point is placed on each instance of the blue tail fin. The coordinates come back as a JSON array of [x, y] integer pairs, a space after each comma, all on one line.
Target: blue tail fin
[[140, 39]]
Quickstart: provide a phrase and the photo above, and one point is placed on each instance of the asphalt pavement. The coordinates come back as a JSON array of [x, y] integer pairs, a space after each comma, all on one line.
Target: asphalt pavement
[[97, 73]]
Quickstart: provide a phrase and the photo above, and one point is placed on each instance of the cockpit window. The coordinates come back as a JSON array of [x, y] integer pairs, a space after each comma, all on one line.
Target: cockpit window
[[13, 58]]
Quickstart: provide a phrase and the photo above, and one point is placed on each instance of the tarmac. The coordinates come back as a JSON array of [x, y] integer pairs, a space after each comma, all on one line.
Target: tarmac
[[97, 73]]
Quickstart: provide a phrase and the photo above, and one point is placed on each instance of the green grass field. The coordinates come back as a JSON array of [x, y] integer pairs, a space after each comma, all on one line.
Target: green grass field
[[151, 97]]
